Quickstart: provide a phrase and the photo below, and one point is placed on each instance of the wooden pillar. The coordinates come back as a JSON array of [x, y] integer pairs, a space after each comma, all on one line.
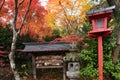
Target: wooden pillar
[[64, 70], [64, 67], [34, 67], [100, 58]]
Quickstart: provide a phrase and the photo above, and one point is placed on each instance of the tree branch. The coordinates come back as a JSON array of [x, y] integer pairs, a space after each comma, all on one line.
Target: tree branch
[[1, 5], [116, 3], [25, 15], [20, 3], [15, 15], [67, 20], [111, 2]]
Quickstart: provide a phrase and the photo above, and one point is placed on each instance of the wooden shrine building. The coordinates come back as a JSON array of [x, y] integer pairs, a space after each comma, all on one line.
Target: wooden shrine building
[[47, 55]]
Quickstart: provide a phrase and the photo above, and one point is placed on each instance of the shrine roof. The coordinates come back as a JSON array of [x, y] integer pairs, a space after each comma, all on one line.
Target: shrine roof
[[45, 47]]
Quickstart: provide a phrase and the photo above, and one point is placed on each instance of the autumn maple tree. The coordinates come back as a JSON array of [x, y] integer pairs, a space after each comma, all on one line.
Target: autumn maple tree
[[34, 23], [24, 17], [67, 15]]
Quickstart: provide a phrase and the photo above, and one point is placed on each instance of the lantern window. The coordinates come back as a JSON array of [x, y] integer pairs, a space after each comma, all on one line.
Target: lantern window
[[99, 23]]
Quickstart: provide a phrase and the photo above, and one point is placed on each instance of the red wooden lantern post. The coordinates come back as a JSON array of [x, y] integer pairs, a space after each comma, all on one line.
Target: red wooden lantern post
[[99, 20]]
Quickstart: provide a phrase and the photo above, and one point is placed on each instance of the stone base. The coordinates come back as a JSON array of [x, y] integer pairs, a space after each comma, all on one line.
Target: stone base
[[73, 75]]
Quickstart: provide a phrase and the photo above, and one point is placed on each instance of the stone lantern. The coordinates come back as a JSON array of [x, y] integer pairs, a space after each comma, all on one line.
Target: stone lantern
[[73, 70], [73, 64]]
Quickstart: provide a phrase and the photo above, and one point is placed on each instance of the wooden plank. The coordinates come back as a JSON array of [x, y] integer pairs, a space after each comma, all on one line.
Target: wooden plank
[[43, 67]]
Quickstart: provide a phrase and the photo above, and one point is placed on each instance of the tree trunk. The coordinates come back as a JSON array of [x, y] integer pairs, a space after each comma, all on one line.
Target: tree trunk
[[116, 54], [111, 2], [114, 2], [116, 14], [11, 57], [116, 51]]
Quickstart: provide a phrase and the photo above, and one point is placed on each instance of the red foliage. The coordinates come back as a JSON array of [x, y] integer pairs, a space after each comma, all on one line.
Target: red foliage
[[72, 38], [34, 23]]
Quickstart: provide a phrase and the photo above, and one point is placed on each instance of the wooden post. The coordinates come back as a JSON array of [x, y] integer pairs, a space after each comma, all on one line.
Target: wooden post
[[34, 67], [64, 70], [100, 58]]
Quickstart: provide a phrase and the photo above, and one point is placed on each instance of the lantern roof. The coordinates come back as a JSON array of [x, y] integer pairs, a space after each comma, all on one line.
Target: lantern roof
[[100, 10]]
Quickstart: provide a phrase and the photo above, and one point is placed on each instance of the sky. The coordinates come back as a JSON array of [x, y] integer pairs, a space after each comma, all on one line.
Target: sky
[[43, 2]]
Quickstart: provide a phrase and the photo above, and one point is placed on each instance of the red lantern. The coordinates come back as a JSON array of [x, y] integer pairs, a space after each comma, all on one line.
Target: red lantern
[[99, 20]]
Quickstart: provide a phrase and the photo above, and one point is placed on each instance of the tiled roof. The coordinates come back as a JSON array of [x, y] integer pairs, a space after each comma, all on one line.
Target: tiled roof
[[45, 47]]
